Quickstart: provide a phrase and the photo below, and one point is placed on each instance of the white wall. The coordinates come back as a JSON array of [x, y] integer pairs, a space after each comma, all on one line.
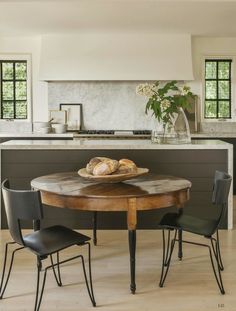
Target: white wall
[[32, 46]]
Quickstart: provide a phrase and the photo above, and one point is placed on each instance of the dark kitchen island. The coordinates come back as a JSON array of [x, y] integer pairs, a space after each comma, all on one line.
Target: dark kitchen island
[[22, 161]]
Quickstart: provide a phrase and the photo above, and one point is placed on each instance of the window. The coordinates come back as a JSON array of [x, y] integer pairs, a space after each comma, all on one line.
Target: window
[[217, 89], [14, 89]]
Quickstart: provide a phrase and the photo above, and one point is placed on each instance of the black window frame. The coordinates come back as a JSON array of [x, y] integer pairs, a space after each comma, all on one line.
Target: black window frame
[[217, 79], [14, 80]]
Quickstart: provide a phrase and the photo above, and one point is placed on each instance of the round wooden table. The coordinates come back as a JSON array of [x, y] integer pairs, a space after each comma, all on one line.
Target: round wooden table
[[68, 190]]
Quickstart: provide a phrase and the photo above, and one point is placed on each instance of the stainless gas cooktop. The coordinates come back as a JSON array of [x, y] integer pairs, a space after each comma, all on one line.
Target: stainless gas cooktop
[[114, 133]]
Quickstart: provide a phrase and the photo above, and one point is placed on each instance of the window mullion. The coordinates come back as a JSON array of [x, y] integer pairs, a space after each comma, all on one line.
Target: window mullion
[[217, 89], [230, 99], [14, 89], [1, 91]]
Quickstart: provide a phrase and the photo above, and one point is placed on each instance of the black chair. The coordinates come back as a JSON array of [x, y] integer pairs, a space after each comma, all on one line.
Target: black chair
[[201, 226], [44, 243]]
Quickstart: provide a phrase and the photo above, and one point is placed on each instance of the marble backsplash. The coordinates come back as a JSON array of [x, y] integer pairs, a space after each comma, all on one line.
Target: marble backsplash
[[15, 127], [114, 105], [106, 105], [218, 127]]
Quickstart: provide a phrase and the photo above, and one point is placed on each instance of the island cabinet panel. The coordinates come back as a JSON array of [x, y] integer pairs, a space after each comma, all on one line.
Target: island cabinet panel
[[198, 166], [230, 141]]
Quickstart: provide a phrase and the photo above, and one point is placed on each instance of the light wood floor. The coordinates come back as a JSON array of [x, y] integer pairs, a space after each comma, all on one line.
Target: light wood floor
[[190, 284]]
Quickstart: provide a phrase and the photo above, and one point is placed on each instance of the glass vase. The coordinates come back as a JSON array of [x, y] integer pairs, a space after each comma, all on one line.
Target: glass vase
[[177, 131], [174, 132]]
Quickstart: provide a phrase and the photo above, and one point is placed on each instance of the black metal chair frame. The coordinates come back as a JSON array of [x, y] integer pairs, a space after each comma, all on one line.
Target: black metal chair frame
[[54, 266], [214, 252], [213, 247]]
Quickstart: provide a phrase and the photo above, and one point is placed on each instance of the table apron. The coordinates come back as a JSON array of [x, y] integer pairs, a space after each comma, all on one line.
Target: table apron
[[177, 198]]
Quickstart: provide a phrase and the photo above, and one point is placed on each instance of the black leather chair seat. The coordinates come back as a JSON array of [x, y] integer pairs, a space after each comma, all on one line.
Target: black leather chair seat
[[53, 239], [189, 223]]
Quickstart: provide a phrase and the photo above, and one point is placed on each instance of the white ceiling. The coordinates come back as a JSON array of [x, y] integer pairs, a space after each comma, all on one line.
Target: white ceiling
[[201, 18]]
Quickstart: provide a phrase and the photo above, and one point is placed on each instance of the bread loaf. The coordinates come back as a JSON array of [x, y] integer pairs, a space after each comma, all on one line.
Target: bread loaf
[[93, 162], [100, 166], [126, 166], [127, 162], [105, 167]]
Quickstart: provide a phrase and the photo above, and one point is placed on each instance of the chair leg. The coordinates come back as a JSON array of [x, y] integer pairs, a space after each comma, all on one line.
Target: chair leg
[[39, 296], [167, 254], [167, 248], [214, 254], [3, 285], [4, 264], [95, 228], [58, 274], [218, 251], [39, 266], [215, 266], [217, 269], [89, 288]]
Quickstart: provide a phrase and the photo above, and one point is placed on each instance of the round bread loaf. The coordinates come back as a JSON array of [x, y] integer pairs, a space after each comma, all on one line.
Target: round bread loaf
[[126, 166], [127, 162], [123, 169], [105, 167], [103, 158], [93, 162]]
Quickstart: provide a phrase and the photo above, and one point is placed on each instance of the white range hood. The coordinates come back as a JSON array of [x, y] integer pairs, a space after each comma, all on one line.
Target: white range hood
[[116, 56]]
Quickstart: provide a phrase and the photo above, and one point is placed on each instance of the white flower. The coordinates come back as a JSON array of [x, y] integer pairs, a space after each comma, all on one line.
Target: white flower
[[165, 103], [146, 89], [185, 90]]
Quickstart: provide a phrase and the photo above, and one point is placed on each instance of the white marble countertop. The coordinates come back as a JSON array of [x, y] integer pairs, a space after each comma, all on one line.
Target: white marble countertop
[[87, 144], [214, 135], [35, 135], [71, 135]]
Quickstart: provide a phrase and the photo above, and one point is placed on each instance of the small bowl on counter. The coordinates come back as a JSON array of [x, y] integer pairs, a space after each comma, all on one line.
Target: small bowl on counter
[[59, 128], [42, 127], [44, 130]]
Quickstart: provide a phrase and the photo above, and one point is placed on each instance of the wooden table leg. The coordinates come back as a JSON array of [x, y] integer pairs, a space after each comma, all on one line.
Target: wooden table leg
[[132, 222], [180, 238], [94, 228], [132, 250], [36, 223]]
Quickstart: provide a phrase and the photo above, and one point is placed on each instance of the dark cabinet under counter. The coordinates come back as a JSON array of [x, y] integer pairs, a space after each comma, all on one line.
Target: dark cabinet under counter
[[229, 140], [23, 161]]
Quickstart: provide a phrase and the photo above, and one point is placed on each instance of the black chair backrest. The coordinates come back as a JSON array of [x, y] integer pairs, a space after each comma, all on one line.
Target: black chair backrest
[[20, 205], [221, 187]]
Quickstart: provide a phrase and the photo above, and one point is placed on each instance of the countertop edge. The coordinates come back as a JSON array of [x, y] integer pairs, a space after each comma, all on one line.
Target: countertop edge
[[84, 144], [76, 135]]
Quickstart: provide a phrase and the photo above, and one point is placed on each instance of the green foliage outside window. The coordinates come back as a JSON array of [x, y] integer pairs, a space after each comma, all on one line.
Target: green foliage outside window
[[13, 86], [218, 88]]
